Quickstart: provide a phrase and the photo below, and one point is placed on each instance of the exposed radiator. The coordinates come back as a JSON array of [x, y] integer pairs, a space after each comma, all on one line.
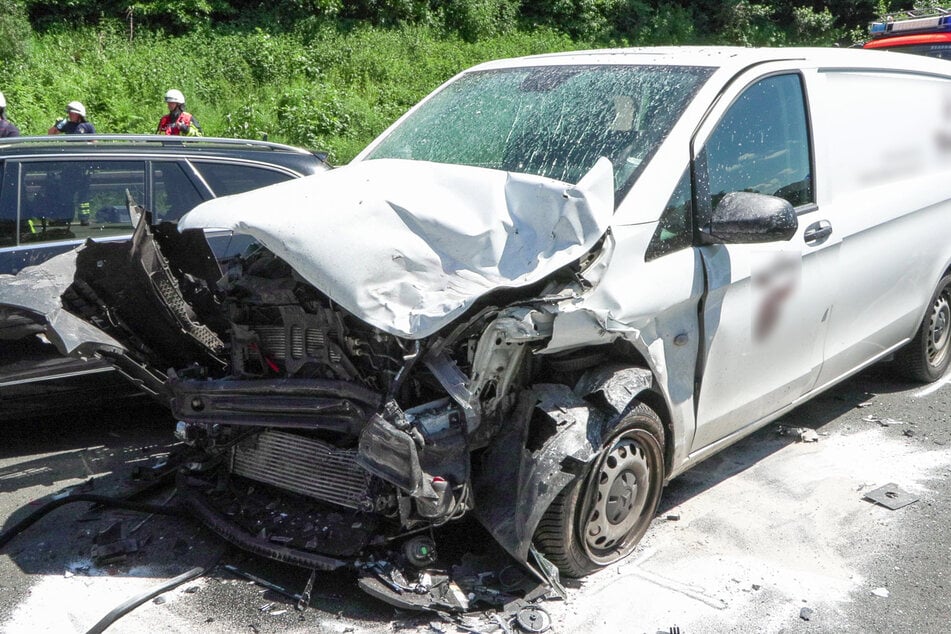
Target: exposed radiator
[[303, 465]]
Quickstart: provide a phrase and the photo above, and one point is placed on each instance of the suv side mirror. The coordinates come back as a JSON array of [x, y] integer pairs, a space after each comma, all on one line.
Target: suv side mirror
[[748, 218]]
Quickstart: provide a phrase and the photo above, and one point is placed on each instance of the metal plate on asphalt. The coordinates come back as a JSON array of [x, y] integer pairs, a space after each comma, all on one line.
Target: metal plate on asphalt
[[890, 496]]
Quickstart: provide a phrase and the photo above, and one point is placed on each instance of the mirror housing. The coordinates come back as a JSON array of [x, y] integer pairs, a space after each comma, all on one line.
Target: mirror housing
[[750, 218]]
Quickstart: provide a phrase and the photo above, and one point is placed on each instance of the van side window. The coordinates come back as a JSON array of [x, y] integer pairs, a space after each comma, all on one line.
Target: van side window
[[762, 144], [174, 192], [675, 229]]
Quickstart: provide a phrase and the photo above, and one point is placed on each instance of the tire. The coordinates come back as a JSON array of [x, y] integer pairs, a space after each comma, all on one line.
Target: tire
[[600, 517], [925, 358]]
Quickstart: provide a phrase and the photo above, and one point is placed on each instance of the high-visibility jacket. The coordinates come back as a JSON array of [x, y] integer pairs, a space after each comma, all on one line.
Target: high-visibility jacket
[[181, 124]]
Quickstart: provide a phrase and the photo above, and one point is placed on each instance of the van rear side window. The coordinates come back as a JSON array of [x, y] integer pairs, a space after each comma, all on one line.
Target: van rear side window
[[762, 144]]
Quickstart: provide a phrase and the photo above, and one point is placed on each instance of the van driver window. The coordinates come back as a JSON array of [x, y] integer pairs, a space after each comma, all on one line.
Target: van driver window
[[762, 144]]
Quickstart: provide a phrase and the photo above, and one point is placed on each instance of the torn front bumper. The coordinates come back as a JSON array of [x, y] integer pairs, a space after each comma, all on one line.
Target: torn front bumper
[[337, 406]]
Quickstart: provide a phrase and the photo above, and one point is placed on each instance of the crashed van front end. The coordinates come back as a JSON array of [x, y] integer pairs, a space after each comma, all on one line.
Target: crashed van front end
[[337, 408], [330, 438], [411, 339]]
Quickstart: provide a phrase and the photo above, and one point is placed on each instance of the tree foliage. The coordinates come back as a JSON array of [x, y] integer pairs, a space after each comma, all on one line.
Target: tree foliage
[[15, 32], [598, 21]]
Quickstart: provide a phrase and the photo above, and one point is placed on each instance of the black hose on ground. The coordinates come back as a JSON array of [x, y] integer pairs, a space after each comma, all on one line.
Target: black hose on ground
[[105, 500], [133, 602]]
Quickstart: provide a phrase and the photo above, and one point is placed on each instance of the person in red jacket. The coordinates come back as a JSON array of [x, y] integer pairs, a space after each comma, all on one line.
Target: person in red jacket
[[177, 121]]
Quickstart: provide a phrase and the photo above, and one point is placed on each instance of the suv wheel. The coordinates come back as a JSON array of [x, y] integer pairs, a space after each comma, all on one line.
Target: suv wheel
[[600, 517], [927, 355]]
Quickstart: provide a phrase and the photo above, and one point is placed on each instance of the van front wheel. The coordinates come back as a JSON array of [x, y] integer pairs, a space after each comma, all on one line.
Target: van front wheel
[[927, 355], [600, 517]]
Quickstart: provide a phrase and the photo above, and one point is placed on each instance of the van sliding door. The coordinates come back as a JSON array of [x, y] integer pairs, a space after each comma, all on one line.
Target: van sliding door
[[892, 131]]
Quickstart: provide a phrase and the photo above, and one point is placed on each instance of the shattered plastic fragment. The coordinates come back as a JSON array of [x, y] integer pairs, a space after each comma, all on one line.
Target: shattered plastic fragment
[[803, 434], [884, 422]]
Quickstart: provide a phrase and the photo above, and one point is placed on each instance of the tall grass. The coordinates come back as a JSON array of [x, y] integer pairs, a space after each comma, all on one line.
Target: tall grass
[[319, 87]]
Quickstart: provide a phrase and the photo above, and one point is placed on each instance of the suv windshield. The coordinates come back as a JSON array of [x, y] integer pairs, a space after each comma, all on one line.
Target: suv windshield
[[550, 121]]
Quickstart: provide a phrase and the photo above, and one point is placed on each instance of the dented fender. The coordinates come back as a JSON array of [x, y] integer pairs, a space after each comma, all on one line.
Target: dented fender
[[553, 435], [614, 386]]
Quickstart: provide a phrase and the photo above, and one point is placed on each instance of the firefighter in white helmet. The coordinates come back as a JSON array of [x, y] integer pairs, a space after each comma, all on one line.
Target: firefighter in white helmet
[[177, 121], [75, 121], [7, 129]]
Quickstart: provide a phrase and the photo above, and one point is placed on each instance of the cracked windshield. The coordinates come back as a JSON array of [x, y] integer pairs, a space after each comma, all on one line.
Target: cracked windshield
[[549, 121]]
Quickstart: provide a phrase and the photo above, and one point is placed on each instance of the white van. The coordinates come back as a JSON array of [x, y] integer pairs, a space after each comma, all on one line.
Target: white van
[[552, 286]]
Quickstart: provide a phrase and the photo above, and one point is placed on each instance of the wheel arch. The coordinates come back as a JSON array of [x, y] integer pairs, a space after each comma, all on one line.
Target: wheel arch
[[627, 354], [554, 434]]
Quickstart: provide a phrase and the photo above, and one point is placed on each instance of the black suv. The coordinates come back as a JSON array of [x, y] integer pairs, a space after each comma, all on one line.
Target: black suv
[[57, 192]]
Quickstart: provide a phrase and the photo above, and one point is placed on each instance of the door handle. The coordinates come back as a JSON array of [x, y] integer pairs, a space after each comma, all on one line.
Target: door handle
[[817, 232]]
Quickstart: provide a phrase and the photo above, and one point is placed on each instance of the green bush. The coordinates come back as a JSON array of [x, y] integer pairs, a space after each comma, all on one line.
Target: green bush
[[15, 32], [747, 23], [479, 19], [248, 122], [814, 27], [669, 24]]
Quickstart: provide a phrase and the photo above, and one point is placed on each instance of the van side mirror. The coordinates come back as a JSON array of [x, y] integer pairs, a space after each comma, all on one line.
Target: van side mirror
[[748, 218]]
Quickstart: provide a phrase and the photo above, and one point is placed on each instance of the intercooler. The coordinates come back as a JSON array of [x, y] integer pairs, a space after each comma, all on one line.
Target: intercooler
[[303, 465]]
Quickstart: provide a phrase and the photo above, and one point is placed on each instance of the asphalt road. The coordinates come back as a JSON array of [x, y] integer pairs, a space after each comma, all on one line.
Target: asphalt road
[[755, 539]]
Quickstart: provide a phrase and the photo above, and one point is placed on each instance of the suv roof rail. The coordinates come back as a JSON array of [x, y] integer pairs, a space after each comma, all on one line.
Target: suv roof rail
[[157, 140]]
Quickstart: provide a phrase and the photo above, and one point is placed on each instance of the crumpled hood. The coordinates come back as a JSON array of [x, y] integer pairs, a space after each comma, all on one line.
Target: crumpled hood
[[407, 246]]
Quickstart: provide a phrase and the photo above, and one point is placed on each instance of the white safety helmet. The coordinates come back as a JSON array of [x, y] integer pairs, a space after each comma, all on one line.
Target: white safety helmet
[[3, 101], [174, 96], [77, 107]]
